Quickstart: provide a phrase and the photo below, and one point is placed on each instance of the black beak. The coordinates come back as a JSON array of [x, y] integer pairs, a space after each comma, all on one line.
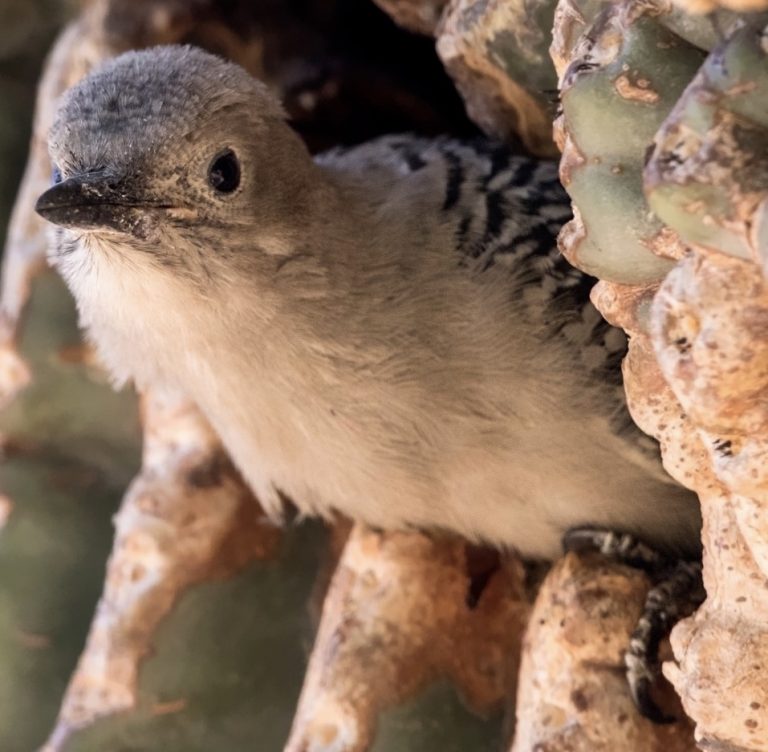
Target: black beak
[[92, 200]]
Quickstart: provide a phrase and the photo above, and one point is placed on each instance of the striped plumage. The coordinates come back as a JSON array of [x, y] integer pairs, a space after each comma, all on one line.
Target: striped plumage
[[508, 210]]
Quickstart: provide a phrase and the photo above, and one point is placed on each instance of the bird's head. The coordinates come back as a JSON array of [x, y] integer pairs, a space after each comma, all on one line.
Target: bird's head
[[175, 153]]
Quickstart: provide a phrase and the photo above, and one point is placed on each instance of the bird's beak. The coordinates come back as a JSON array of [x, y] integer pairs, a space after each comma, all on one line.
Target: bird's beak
[[92, 200]]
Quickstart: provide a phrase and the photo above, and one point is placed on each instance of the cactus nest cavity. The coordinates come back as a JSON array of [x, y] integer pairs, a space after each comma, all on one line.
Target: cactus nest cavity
[[662, 125]]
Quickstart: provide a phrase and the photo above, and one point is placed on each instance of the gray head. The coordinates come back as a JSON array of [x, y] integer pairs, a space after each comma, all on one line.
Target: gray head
[[171, 143]]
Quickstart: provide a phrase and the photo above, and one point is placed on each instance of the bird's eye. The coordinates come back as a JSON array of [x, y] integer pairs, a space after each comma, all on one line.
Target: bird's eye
[[55, 175], [224, 172]]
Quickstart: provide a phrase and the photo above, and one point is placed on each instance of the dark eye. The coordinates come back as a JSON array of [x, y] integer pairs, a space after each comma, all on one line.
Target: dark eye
[[55, 175], [224, 172]]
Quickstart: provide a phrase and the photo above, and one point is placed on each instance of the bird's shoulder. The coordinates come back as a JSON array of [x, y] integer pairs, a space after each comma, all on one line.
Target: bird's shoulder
[[503, 210], [506, 210]]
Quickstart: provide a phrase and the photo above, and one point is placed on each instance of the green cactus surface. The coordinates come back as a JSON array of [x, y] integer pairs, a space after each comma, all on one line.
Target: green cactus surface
[[627, 74], [708, 175]]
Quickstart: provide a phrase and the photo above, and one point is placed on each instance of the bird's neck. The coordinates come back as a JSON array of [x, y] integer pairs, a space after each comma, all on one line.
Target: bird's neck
[[326, 231]]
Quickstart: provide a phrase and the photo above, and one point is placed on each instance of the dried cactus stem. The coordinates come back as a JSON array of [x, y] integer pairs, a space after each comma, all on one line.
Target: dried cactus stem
[[573, 695], [702, 7], [185, 518], [6, 508], [407, 595], [708, 326], [720, 652], [25, 247]]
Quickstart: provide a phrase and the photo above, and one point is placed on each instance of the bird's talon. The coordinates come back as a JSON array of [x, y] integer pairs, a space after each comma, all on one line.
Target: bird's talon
[[640, 689], [621, 547], [676, 592]]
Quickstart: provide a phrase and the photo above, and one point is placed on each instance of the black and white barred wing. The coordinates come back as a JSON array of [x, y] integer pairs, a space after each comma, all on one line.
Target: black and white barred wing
[[507, 210]]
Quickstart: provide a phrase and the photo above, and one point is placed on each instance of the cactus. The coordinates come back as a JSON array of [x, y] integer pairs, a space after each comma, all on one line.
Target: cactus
[[496, 53], [619, 82], [626, 73], [696, 374], [708, 174]]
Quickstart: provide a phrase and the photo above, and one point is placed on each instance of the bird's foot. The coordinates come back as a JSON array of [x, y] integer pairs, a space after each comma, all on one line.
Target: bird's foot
[[621, 547], [676, 592]]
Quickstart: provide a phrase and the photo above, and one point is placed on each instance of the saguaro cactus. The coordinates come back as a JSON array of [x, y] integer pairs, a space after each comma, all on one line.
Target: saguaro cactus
[[696, 374], [664, 135]]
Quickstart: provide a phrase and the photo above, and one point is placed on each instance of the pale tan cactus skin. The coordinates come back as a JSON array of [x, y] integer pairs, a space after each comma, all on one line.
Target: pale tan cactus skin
[[696, 374]]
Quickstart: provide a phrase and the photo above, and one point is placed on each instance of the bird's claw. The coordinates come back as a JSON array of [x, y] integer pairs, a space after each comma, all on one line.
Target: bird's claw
[[640, 688], [621, 547], [677, 591]]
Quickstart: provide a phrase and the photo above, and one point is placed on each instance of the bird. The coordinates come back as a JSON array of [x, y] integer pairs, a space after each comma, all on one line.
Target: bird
[[387, 331]]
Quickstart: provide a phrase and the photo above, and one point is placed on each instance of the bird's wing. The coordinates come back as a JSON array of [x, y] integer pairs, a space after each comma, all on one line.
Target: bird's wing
[[507, 210]]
